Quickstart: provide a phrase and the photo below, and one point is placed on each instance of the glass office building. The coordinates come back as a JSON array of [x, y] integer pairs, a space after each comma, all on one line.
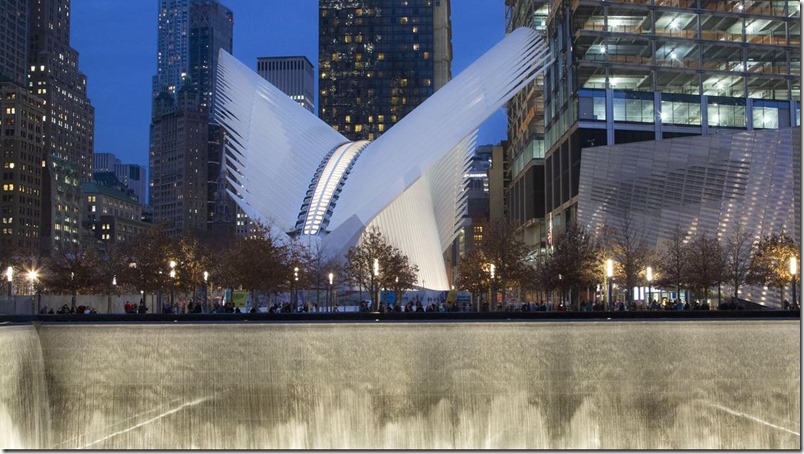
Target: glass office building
[[638, 70], [378, 60]]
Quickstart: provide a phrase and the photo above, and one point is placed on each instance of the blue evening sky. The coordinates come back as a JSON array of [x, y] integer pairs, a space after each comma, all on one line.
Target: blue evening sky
[[116, 41]]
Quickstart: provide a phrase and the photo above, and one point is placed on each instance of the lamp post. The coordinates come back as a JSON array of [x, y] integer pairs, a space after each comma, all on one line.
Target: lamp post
[[609, 275], [375, 283], [33, 275], [329, 293], [294, 296], [9, 278], [492, 292], [793, 271], [109, 298], [172, 281], [649, 273], [206, 290]]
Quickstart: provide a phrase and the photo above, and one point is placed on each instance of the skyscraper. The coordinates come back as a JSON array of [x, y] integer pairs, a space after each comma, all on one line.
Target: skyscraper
[[378, 60], [211, 26], [190, 34], [68, 123], [178, 162], [645, 70], [292, 75], [21, 139], [14, 41], [104, 162]]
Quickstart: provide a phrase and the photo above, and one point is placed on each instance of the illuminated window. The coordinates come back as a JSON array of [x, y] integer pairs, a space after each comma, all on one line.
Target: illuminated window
[[403, 20], [380, 56], [416, 46], [415, 29], [348, 119], [426, 55], [358, 128]]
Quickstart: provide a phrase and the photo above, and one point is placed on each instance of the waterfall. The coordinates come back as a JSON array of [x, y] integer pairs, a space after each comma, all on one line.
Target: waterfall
[[24, 412], [534, 385]]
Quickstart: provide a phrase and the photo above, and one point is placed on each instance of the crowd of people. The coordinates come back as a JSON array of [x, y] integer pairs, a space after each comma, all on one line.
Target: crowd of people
[[416, 305]]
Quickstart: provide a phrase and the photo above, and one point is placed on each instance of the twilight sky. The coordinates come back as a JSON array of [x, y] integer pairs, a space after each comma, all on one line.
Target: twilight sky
[[116, 41]]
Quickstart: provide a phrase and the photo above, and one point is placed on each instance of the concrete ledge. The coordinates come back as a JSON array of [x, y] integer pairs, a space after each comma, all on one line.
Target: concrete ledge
[[403, 317]]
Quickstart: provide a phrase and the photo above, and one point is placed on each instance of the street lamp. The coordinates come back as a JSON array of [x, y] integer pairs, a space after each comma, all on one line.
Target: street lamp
[[206, 289], [329, 294], [33, 275], [375, 291], [609, 275], [492, 290], [172, 281], [294, 294], [793, 270], [9, 278], [649, 273]]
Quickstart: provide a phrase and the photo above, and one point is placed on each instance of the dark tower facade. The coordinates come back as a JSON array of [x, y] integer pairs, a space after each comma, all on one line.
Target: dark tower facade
[[190, 34], [68, 125], [378, 60]]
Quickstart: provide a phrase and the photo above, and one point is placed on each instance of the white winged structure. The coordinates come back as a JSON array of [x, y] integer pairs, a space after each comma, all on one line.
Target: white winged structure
[[295, 174]]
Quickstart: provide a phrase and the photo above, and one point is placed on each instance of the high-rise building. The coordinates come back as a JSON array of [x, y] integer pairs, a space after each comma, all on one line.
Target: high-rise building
[[628, 71], [104, 162], [378, 60], [14, 41], [190, 34], [21, 139], [54, 76], [178, 163], [292, 75], [22, 152], [111, 215], [69, 119], [131, 176], [211, 26], [172, 46]]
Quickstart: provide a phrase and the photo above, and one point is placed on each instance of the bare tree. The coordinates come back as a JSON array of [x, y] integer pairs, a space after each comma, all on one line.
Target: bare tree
[[631, 253], [770, 263], [575, 262], [739, 249], [704, 263], [503, 248], [400, 274], [147, 261], [361, 258], [473, 274], [673, 262], [256, 263]]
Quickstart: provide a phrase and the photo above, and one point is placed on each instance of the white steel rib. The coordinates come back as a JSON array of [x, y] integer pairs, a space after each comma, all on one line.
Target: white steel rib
[[289, 169]]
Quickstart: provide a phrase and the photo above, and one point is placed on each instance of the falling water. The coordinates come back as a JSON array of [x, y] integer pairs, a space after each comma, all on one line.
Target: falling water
[[639, 385], [24, 413]]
